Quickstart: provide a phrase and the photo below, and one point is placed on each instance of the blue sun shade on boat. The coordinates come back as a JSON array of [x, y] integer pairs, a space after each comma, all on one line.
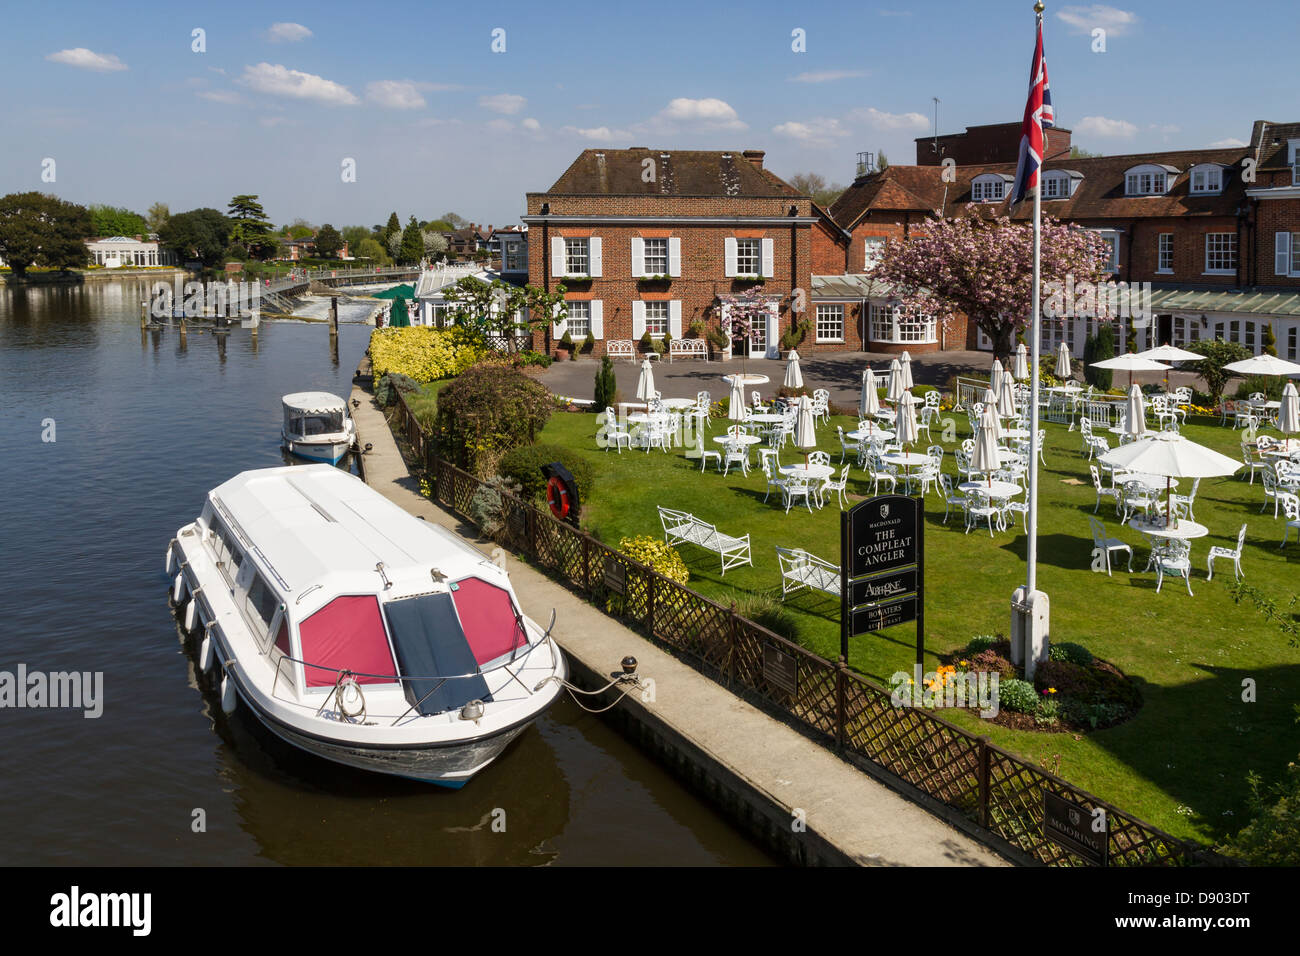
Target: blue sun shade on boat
[[429, 641]]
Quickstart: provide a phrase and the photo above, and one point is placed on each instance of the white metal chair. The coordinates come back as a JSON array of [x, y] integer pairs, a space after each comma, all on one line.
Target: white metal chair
[[1291, 512], [615, 434], [734, 453], [978, 506], [1184, 505], [1252, 464], [797, 486], [1173, 557], [821, 404], [769, 474], [837, 485], [1102, 490], [950, 497], [878, 471], [1106, 544], [1234, 554], [847, 446], [1134, 496]]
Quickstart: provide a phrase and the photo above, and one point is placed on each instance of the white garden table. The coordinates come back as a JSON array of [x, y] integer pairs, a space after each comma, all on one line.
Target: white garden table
[[884, 434], [993, 489], [679, 404], [812, 472], [1184, 529]]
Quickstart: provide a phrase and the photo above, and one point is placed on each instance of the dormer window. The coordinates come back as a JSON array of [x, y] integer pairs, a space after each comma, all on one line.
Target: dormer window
[[1060, 184], [991, 187], [1206, 179], [1148, 180]]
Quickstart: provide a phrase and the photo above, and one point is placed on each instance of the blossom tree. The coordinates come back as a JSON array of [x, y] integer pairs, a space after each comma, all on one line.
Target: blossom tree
[[984, 269]]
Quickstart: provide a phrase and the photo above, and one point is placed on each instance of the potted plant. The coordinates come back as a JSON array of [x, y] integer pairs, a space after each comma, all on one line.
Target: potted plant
[[647, 342], [718, 343], [564, 348], [695, 330], [589, 344]]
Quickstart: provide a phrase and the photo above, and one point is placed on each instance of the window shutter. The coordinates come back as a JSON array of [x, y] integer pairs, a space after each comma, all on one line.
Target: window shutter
[[563, 325], [638, 319], [638, 257], [557, 257], [769, 257], [675, 318], [674, 257], [729, 256], [597, 319], [594, 259], [1282, 253]]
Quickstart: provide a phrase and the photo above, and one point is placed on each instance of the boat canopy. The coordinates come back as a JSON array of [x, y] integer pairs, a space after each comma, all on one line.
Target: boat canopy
[[313, 413], [313, 403]]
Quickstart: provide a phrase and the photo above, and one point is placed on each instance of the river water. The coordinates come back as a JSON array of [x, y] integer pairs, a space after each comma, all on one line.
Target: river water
[[142, 426]]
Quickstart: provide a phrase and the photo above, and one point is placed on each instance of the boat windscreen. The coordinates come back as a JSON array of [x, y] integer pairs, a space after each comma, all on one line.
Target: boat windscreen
[[429, 643], [488, 619], [347, 634], [313, 423]]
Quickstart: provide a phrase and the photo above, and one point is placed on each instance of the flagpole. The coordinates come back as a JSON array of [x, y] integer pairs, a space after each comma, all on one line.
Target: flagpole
[[1031, 521]]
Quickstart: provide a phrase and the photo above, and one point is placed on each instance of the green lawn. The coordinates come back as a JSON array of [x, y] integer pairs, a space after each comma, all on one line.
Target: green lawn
[[1182, 762]]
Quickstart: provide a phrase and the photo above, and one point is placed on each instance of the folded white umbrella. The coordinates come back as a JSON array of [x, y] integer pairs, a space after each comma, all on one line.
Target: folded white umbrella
[[995, 377], [905, 432], [1288, 416], [736, 401], [1263, 365], [805, 427], [1063, 370], [645, 385], [1020, 371], [1007, 397], [905, 365], [987, 457], [895, 381], [1171, 455], [990, 403], [793, 376], [1135, 413], [869, 402], [989, 397]]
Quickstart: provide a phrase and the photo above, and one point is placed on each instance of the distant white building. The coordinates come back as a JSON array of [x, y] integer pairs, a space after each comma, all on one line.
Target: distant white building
[[128, 252]]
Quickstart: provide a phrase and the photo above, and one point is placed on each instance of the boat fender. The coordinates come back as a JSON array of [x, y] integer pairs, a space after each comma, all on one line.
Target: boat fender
[[178, 589], [171, 559], [205, 654], [192, 610], [228, 697]]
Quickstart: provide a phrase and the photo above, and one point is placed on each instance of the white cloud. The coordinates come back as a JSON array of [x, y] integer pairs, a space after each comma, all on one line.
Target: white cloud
[[826, 76], [600, 134], [710, 112], [1226, 143], [507, 103], [819, 131], [85, 59], [395, 94], [287, 32], [500, 125], [1114, 21], [1105, 128], [878, 119], [531, 124], [277, 80], [220, 96]]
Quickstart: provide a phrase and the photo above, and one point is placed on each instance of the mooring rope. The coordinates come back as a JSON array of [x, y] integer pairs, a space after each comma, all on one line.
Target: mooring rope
[[630, 682]]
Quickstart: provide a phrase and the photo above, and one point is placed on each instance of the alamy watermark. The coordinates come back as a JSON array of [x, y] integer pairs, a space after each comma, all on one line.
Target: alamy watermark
[[946, 687], [198, 300], [76, 690], [1090, 300]]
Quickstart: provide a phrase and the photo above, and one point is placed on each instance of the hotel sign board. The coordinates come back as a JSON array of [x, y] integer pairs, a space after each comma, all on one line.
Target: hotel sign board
[[882, 567], [1070, 825]]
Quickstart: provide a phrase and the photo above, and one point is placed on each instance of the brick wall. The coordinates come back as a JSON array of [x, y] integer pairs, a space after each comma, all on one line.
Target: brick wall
[[1271, 217]]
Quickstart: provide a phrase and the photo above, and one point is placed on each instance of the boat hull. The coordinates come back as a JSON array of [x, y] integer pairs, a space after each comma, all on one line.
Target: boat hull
[[329, 452]]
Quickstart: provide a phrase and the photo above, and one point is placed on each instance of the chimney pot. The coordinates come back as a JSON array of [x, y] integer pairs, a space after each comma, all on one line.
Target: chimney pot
[[755, 156]]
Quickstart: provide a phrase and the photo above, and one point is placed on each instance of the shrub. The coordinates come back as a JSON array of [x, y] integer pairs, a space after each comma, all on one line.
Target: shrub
[[920, 391], [981, 642], [763, 607], [525, 359], [606, 385], [566, 341], [1211, 368], [424, 353], [717, 339], [1066, 651], [1272, 838], [523, 466], [485, 506], [695, 330], [389, 385], [1268, 342], [658, 555], [1017, 695], [647, 341], [589, 344], [1270, 385], [1103, 347], [488, 410]]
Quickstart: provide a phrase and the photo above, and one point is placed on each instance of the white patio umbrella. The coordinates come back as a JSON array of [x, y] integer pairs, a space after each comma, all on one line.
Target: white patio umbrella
[[1169, 353], [793, 376], [987, 457], [645, 385], [1020, 371], [905, 432], [905, 364], [1130, 362], [1063, 370], [736, 401], [1288, 416], [1007, 397], [995, 377], [1171, 455], [989, 397], [1263, 365], [869, 402], [1135, 413], [895, 381], [990, 403], [805, 427]]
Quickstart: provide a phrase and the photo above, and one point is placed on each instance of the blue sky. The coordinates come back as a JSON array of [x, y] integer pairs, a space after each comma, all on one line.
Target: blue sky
[[436, 121]]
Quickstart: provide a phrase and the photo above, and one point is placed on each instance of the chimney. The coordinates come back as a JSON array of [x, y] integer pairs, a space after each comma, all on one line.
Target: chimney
[[755, 156]]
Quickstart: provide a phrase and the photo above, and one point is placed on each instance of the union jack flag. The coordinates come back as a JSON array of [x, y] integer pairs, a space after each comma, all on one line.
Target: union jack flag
[[1038, 116]]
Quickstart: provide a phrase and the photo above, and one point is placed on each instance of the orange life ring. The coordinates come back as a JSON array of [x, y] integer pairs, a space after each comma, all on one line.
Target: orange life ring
[[557, 497]]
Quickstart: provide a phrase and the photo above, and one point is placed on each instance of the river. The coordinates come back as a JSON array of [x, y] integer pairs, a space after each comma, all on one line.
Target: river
[[143, 426]]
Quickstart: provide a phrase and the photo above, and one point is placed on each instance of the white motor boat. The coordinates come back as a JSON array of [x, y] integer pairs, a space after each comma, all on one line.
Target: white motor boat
[[317, 426], [356, 631]]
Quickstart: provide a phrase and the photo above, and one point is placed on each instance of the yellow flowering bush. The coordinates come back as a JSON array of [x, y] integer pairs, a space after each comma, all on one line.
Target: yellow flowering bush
[[657, 555], [424, 353]]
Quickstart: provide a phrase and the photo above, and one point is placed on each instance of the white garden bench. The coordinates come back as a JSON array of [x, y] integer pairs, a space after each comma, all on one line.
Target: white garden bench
[[688, 348], [681, 527], [800, 569], [621, 348]]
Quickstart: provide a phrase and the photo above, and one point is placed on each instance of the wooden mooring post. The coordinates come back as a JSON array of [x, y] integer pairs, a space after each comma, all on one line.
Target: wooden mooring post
[[334, 317]]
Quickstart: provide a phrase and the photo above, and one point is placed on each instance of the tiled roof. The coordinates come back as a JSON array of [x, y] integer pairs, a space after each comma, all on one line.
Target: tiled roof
[[677, 173], [1270, 140]]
